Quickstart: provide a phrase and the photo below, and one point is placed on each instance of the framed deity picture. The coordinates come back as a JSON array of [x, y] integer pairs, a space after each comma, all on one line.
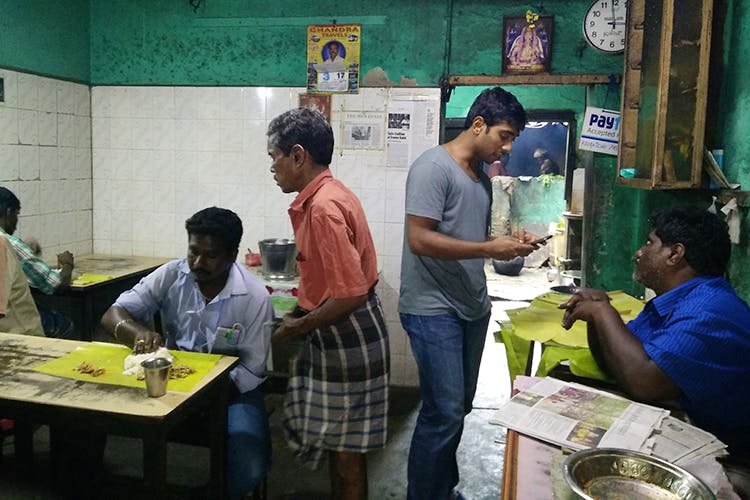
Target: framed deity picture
[[527, 43]]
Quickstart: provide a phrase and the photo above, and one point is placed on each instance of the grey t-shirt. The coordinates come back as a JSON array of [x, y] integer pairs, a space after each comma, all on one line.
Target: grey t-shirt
[[438, 188]]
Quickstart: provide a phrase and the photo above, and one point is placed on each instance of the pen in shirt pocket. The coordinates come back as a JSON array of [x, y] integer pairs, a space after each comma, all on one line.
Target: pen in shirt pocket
[[233, 334]]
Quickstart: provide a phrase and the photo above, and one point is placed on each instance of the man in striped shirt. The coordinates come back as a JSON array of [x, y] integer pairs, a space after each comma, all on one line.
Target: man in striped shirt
[[691, 343], [38, 272]]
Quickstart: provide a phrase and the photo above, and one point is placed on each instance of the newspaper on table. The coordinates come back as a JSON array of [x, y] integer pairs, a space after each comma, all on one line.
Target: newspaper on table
[[578, 417], [680, 443]]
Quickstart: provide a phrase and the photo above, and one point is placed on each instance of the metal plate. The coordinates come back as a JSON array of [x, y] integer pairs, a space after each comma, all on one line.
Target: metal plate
[[611, 473]]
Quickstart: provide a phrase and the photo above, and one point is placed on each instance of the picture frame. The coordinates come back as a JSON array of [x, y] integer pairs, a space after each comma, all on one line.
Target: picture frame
[[527, 43]]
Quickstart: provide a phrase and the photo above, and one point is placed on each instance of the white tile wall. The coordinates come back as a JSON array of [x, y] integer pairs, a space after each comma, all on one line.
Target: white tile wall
[[45, 159], [161, 153], [119, 169]]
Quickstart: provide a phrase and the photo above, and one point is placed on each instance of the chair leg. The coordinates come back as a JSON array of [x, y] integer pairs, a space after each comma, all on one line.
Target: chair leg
[[6, 428]]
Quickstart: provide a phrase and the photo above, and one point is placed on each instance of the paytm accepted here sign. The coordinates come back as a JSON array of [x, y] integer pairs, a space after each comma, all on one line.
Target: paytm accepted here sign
[[601, 128]]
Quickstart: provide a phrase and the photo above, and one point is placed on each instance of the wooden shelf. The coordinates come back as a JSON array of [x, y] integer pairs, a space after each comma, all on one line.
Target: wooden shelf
[[742, 197], [538, 79], [573, 215]]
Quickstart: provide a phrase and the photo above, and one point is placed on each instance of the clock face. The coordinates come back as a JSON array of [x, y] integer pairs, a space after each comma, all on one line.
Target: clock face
[[604, 25]]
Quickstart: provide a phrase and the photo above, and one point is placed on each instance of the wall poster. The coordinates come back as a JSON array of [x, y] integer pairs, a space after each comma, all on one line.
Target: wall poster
[[333, 58], [318, 102]]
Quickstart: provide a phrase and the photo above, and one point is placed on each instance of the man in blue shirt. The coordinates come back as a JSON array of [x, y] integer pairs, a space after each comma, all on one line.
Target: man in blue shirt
[[210, 303], [690, 343]]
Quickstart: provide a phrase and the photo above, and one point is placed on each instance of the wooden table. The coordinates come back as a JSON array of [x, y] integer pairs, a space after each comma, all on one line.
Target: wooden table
[[532, 468], [31, 397], [526, 468], [85, 304]]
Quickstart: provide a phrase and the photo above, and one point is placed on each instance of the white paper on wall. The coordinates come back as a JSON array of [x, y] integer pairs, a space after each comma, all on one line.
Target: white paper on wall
[[601, 129], [412, 128], [363, 130]]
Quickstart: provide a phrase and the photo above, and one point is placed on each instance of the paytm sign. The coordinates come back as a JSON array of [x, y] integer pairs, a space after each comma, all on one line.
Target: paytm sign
[[601, 128]]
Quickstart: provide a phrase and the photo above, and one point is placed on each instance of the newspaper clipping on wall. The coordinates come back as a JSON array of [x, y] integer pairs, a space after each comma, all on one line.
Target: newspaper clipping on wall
[[412, 128], [363, 130]]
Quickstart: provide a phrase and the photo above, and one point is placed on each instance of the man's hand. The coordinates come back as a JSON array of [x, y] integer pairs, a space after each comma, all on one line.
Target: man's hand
[[146, 341], [66, 263], [585, 304], [290, 328], [508, 247], [65, 258]]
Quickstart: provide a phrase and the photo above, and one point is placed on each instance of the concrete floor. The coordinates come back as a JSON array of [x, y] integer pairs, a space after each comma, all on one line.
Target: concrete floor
[[480, 455]]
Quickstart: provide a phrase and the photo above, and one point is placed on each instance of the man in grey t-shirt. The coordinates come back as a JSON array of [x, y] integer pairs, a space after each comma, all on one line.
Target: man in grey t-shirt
[[443, 301]]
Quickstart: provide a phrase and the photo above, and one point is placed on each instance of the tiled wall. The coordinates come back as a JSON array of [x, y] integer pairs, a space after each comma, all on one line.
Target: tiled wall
[[162, 153], [119, 169], [45, 159]]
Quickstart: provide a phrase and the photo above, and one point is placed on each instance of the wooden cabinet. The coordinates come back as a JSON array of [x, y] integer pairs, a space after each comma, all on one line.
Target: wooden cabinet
[[665, 86]]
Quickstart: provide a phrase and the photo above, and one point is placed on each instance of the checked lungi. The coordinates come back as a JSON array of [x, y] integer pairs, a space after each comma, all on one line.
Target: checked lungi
[[337, 397]]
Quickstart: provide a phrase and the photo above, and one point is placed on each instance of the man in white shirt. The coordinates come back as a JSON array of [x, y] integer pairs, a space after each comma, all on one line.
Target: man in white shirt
[[210, 303]]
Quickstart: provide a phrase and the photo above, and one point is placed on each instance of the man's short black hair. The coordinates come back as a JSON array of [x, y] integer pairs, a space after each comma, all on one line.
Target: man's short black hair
[[8, 201], [220, 223], [305, 127], [497, 105], [704, 235]]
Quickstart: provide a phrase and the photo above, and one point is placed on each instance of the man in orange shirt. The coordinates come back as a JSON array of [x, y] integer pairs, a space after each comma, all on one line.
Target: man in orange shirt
[[337, 398]]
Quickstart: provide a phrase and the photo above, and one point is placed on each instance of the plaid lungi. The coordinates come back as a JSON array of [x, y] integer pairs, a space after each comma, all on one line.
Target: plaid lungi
[[337, 397]]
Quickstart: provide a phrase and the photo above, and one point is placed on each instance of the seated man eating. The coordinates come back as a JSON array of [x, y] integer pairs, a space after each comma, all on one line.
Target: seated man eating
[[209, 303], [691, 342]]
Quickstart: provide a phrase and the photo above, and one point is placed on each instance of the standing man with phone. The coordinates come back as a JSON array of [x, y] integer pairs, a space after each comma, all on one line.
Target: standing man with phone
[[443, 303]]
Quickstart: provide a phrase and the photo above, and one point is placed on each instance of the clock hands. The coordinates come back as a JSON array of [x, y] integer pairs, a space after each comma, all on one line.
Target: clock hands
[[604, 25]]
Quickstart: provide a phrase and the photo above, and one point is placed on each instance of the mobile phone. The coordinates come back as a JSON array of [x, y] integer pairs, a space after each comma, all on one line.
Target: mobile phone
[[542, 240]]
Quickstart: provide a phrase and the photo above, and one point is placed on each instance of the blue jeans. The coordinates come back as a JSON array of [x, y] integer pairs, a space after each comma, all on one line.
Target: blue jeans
[[448, 351], [55, 324], [248, 443]]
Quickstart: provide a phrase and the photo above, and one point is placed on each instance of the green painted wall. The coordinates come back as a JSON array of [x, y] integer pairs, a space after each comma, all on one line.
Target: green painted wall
[[239, 42], [232, 42], [47, 37], [620, 213], [735, 121]]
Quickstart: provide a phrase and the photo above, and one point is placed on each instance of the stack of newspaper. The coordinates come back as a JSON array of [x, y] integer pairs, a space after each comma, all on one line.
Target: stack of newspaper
[[577, 417]]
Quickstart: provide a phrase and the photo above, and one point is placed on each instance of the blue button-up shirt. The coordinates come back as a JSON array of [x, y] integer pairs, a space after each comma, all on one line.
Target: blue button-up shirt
[[699, 334], [232, 323]]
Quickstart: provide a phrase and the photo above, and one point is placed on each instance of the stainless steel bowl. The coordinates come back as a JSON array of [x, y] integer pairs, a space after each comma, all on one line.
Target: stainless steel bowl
[[612, 473]]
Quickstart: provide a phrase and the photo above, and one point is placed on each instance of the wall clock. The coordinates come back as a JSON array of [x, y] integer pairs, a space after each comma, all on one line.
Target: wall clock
[[604, 25]]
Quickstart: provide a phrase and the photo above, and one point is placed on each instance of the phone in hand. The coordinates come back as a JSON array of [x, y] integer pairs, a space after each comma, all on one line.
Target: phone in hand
[[542, 240]]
